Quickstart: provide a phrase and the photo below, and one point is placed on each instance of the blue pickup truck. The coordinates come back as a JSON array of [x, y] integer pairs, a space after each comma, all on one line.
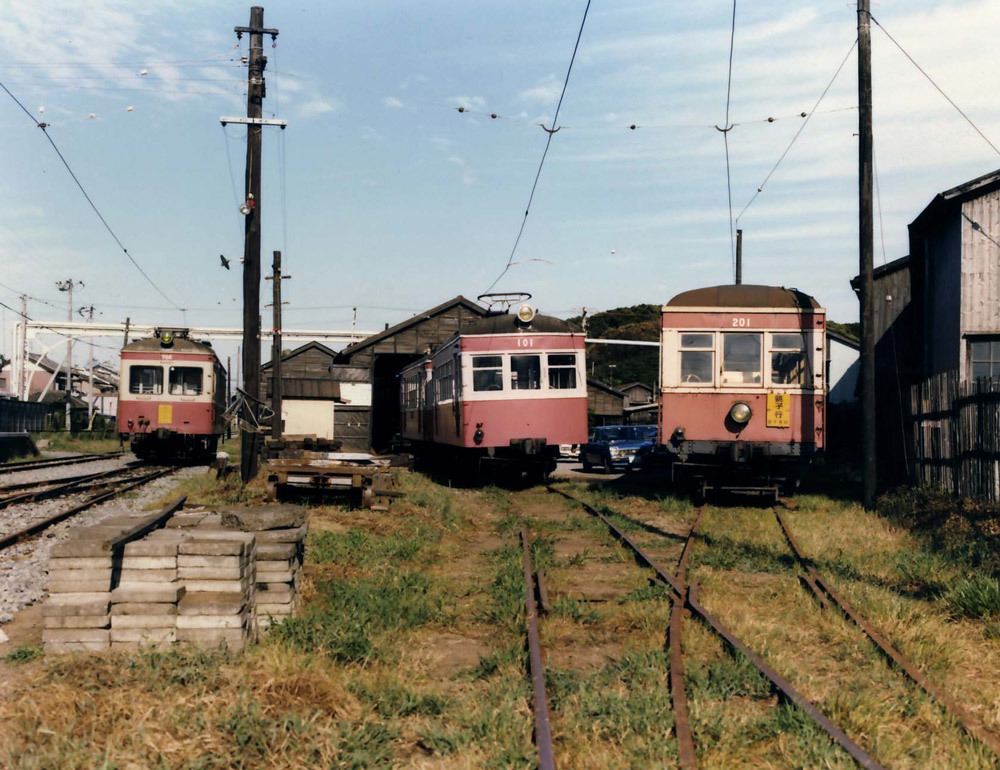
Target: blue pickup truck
[[618, 447]]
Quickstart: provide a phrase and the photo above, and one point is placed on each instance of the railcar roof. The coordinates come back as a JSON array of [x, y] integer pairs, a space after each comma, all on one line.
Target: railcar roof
[[181, 345], [508, 324], [743, 295]]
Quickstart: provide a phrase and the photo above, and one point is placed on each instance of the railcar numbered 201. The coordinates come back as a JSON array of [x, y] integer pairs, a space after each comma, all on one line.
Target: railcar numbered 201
[[505, 392], [173, 397], [742, 396]]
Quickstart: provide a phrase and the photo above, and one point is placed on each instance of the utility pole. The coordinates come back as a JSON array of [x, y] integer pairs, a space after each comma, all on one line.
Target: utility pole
[[739, 257], [89, 311], [256, 64], [229, 393], [866, 234], [128, 323], [67, 286], [22, 385], [276, 278]]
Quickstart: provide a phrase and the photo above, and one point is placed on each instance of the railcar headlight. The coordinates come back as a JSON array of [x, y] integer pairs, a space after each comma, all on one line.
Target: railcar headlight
[[740, 413], [166, 339], [525, 314]]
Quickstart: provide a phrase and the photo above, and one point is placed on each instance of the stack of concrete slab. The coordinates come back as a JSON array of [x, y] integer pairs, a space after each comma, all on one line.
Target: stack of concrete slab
[[280, 532], [81, 574], [75, 617], [216, 567], [144, 605]]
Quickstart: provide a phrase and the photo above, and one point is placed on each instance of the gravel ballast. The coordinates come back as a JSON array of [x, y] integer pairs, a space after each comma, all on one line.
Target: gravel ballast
[[23, 578]]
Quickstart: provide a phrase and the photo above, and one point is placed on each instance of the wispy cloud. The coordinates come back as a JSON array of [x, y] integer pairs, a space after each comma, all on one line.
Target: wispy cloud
[[468, 173], [546, 91], [391, 102], [318, 107]]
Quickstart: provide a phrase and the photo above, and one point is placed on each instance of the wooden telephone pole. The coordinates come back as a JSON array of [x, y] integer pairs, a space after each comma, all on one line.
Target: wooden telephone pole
[[256, 63], [276, 278], [866, 232], [739, 257]]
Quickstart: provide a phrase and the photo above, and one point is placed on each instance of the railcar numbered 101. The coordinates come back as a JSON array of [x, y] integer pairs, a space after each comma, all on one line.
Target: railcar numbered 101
[[172, 397], [505, 392], [742, 396]]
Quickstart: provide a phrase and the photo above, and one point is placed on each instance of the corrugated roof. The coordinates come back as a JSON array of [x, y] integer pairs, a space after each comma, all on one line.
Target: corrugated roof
[[945, 201], [744, 295]]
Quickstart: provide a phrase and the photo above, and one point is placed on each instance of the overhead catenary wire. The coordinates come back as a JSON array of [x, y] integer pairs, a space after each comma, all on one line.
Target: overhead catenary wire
[[100, 216], [938, 88], [760, 187], [548, 142]]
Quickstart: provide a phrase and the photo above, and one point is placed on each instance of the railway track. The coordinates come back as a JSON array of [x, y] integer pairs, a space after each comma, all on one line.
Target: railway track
[[53, 462], [682, 596], [29, 492], [43, 524]]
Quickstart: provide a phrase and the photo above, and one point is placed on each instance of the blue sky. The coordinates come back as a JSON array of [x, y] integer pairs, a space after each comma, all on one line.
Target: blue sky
[[395, 201]]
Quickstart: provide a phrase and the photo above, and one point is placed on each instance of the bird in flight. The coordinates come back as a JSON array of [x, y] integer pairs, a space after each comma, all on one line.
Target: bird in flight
[[225, 262]]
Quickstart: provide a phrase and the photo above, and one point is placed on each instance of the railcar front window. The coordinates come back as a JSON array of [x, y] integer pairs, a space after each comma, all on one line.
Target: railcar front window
[[525, 372], [487, 373], [145, 380], [562, 371], [985, 359], [789, 362], [741, 359], [185, 381], [697, 359]]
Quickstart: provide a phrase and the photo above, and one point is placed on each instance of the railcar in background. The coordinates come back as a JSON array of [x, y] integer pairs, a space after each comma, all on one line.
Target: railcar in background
[[742, 387], [501, 396], [172, 397]]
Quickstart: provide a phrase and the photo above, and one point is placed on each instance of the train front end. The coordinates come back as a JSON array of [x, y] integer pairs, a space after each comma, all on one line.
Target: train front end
[[743, 392], [172, 398]]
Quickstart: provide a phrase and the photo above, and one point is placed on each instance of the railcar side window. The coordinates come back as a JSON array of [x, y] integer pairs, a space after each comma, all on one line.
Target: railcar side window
[[487, 373], [525, 372], [741, 359], [697, 359], [185, 381], [145, 380], [444, 381], [562, 371], [411, 385], [984, 357], [789, 362]]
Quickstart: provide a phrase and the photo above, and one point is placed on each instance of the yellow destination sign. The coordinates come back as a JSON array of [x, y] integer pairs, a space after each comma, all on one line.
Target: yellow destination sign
[[779, 410], [165, 413]]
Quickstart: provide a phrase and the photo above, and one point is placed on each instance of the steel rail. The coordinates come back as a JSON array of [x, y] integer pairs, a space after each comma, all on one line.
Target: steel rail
[[853, 749], [52, 462], [682, 721], [957, 712], [39, 526], [55, 489], [543, 727]]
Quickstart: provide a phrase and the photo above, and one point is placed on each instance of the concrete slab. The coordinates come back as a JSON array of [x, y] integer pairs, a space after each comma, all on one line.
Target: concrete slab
[[149, 562], [144, 608], [256, 518], [130, 576], [63, 647], [214, 562], [148, 548], [212, 573], [143, 635], [214, 586], [75, 635], [212, 603], [282, 535], [147, 592], [211, 621], [143, 621], [76, 621], [275, 577], [81, 562], [77, 586], [276, 551], [60, 605], [85, 575], [200, 547]]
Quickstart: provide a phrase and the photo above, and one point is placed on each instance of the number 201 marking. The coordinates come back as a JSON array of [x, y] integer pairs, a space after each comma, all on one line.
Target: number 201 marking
[[526, 342], [741, 322]]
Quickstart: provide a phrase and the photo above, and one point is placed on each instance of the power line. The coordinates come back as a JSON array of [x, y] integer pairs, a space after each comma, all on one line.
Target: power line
[[760, 187], [100, 216], [548, 141], [936, 86]]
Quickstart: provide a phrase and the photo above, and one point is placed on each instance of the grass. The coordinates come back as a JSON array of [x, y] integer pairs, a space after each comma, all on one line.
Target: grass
[[409, 648], [85, 443]]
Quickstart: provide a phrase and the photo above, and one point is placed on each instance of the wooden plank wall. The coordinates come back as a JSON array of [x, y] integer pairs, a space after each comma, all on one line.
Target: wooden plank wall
[[956, 435]]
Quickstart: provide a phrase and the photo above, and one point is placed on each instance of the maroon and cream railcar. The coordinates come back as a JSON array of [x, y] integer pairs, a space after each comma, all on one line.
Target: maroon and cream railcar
[[506, 390], [742, 394], [172, 397]]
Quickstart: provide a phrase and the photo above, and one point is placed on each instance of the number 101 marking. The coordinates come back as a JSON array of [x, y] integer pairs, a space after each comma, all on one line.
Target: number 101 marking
[[741, 322], [526, 342]]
